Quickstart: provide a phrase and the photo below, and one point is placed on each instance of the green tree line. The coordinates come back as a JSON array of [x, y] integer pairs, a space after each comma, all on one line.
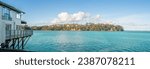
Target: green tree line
[[80, 27]]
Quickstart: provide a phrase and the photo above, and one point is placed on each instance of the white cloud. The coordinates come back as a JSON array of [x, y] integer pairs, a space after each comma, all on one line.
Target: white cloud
[[98, 16], [65, 17], [79, 16]]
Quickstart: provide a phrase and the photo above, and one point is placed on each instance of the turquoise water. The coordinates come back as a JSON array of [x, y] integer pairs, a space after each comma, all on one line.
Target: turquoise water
[[82, 41]]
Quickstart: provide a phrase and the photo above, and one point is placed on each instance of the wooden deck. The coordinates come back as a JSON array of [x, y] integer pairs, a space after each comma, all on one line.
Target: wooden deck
[[16, 40], [13, 34]]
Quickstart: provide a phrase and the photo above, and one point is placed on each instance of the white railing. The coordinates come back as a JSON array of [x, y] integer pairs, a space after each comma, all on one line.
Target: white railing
[[10, 34]]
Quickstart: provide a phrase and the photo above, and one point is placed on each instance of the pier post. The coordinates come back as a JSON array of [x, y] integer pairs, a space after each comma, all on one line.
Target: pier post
[[13, 44], [18, 43], [22, 42]]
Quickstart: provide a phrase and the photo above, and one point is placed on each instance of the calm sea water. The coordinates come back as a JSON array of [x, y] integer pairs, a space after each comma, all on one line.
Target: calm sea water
[[63, 41]]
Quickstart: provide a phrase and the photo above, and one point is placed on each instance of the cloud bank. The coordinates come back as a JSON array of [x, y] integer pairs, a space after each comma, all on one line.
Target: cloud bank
[[130, 22], [65, 17], [79, 17]]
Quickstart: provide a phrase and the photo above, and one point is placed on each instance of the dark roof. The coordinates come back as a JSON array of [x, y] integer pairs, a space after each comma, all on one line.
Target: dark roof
[[11, 7]]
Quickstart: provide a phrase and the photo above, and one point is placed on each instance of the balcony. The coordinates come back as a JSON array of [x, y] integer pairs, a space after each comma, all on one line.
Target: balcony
[[14, 34]]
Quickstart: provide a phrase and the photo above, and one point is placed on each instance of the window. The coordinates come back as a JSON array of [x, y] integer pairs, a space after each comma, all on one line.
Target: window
[[18, 27], [6, 14], [8, 30], [18, 15], [8, 27]]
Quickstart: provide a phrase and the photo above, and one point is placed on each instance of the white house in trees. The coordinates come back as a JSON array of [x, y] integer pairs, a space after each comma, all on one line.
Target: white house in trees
[[13, 30]]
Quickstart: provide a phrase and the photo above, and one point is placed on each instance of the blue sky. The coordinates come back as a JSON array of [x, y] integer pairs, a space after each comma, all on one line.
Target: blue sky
[[132, 14]]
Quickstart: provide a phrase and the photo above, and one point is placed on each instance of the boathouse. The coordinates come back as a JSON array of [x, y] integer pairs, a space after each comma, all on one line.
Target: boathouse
[[14, 32]]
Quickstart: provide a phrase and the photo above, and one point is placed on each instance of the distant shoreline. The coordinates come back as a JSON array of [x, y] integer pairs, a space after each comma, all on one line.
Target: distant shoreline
[[80, 27], [92, 31], [104, 31]]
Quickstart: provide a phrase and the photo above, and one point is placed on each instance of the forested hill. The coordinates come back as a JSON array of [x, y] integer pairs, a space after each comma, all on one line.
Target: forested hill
[[79, 27]]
